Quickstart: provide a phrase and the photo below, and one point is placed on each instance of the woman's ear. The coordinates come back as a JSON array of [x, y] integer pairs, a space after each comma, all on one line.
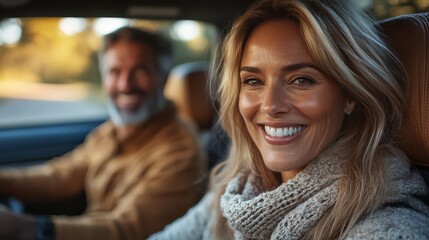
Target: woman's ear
[[350, 106]]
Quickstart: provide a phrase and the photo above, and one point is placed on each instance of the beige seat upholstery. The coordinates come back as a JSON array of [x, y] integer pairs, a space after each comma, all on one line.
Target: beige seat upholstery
[[187, 87], [409, 38]]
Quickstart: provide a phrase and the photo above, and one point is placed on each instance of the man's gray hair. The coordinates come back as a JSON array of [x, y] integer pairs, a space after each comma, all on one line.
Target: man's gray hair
[[161, 46]]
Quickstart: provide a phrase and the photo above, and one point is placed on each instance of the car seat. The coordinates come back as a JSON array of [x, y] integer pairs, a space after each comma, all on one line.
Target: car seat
[[408, 36], [186, 87]]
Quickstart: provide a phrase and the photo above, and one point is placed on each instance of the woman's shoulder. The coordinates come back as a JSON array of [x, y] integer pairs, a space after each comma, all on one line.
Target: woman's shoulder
[[195, 224], [396, 221]]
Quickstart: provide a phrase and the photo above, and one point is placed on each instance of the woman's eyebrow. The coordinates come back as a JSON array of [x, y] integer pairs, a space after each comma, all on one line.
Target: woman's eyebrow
[[288, 68], [250, 69], [298, 66]]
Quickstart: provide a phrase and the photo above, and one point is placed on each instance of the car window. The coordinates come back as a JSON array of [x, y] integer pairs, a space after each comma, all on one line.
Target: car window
[[382, 9], [49, 67]]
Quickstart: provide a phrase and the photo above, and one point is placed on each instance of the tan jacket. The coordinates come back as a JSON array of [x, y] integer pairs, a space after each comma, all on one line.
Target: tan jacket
[[130, 195]]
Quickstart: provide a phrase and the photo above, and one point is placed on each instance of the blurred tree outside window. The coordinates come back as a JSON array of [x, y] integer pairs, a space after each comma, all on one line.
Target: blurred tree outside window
[[390, 8]]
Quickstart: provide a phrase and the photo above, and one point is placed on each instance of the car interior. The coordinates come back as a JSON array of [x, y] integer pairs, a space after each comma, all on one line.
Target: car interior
[[33, 141], [408, 36], [405, 29]]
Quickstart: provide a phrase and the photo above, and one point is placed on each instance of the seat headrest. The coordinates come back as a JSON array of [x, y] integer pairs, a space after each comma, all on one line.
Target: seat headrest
[[408, 36], [186, 86]]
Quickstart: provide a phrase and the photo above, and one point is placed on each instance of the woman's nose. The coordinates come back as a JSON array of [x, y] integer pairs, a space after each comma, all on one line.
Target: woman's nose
[[275, 101]]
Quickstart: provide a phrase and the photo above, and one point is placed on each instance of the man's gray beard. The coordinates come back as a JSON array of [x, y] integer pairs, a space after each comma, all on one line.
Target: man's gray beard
[[149, 108]]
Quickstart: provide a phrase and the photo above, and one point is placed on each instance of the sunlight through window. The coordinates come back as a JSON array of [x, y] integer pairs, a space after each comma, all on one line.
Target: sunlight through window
[[11, 31], [186, 30], [104, 26], [71, 26]]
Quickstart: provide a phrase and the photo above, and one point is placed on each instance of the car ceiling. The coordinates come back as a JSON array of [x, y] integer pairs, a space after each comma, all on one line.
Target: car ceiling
[[215, 11]]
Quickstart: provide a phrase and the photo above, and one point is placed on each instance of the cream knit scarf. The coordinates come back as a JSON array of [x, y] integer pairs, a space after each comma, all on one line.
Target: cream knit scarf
[[292, 209], [288, 211]]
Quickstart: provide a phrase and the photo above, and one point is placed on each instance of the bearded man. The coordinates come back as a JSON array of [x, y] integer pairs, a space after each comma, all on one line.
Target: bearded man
[[140, 170]]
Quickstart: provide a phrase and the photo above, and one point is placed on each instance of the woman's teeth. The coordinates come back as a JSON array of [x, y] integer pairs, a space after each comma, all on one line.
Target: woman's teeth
[[283, 132]]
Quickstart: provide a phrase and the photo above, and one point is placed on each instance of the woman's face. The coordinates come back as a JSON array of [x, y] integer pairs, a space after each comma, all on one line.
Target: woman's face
[[292, 110]]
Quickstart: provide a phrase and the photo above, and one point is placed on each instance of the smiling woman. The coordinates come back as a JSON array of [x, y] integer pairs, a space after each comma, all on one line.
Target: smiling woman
[[310, 96], [291, 109]]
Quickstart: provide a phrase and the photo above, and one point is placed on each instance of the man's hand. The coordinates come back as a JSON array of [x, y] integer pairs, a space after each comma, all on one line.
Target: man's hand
[[16, 227]]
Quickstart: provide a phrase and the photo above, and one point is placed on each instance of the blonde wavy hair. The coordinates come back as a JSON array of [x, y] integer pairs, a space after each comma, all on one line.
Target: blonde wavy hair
[[345, 44]]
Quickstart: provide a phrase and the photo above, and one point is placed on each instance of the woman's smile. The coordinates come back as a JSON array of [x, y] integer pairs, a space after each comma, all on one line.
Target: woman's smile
[[281, 135]]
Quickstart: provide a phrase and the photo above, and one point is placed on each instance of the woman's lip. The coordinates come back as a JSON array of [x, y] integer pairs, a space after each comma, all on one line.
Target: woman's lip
[[280, 125]]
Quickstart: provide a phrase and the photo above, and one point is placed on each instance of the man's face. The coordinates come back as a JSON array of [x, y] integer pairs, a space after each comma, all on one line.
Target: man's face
[[132, 81]]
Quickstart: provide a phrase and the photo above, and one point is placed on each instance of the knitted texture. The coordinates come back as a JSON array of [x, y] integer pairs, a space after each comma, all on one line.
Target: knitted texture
[[392, 223], [293, 208], [290, 210]]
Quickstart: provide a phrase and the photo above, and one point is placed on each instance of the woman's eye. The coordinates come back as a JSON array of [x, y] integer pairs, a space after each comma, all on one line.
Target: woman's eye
[[303, 81], [252, 82]]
